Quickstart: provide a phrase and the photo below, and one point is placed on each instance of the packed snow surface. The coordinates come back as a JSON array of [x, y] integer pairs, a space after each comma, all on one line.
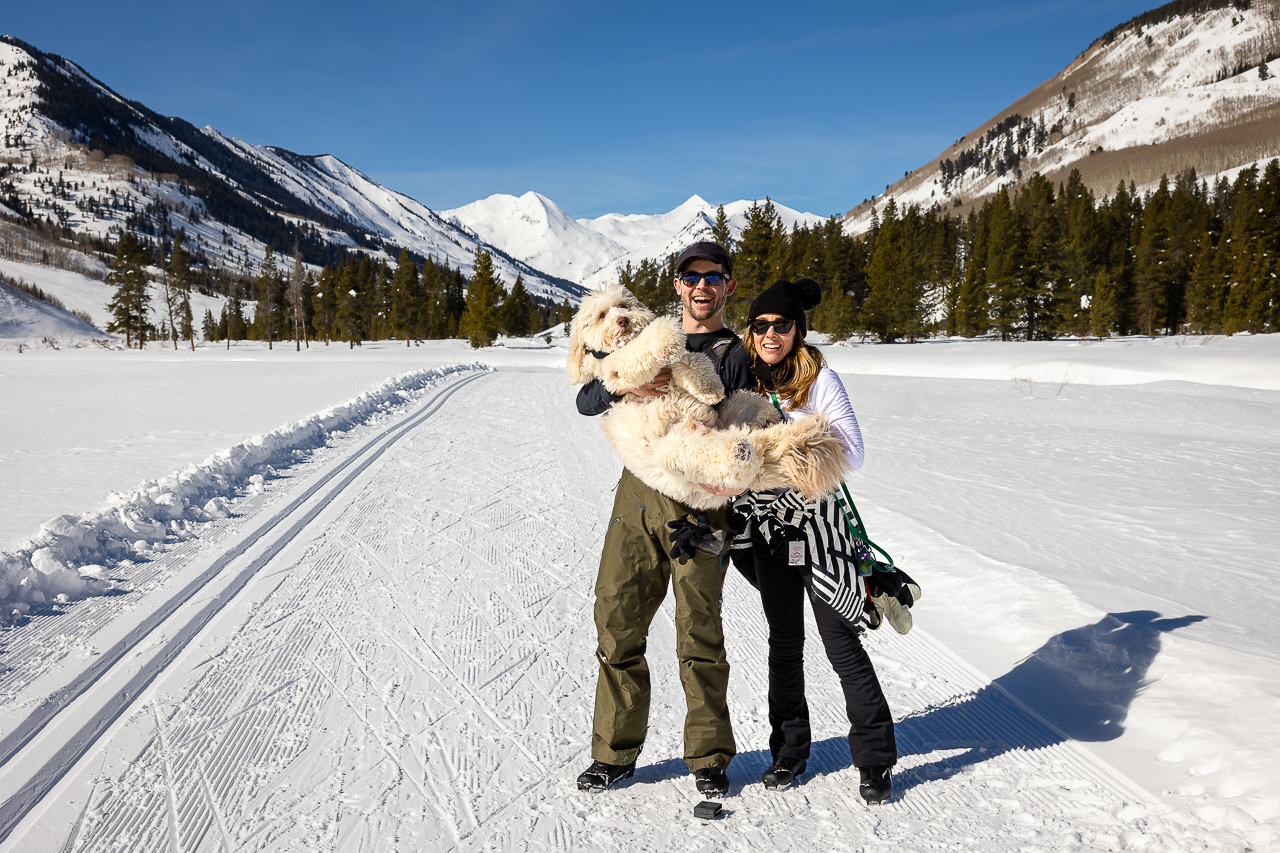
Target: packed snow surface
[[403, 656]]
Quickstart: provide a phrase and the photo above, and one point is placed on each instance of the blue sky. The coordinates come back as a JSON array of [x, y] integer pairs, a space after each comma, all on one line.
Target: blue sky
[[619, 107]]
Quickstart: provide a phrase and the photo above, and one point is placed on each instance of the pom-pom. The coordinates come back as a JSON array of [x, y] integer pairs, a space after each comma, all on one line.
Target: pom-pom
[[808, 291]]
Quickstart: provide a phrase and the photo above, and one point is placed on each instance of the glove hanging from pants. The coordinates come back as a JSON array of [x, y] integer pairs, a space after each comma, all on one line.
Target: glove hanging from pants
[[892, 594]]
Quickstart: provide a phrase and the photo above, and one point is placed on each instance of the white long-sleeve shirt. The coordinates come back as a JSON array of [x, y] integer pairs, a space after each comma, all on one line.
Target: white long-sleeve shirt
[[827, 396]]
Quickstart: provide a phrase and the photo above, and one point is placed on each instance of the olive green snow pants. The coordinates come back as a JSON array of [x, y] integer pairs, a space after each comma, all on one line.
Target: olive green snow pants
[[634, 571]]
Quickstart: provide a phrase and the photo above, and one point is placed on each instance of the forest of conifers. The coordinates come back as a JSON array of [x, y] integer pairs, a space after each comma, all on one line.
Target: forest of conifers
[[1032, 262]]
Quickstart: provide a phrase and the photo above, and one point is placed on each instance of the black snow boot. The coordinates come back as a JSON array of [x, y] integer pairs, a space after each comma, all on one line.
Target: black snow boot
[[599, 775], [876, 785], [782, 772], [712, 781]]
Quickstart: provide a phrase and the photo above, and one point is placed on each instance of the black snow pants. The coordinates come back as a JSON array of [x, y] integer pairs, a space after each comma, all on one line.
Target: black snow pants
[[782, 593]]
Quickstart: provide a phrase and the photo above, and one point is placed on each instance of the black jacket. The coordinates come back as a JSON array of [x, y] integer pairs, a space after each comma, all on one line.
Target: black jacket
[[735, 371]]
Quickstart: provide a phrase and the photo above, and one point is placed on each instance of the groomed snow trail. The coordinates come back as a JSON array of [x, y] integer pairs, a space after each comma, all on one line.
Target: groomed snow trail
[[413, 670]]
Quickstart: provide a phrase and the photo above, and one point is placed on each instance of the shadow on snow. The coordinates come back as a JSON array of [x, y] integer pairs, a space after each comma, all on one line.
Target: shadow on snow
[[1081, 682]]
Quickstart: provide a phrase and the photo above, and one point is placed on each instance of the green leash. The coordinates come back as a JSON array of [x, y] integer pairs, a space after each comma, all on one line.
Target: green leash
[[856, 528]]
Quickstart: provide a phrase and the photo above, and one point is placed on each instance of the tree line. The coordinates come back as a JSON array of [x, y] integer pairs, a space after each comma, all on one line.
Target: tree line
[[1032, 262], [362, 298]]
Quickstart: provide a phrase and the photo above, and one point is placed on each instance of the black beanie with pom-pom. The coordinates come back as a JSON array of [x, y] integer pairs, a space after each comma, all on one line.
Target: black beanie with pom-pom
[[789, 299]]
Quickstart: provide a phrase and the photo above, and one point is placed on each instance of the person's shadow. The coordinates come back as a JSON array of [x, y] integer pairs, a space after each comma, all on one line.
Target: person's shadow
[[1081, 682]]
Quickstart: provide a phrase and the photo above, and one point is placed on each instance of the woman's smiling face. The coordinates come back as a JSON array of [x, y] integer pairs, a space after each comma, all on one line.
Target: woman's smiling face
[[773, 346]]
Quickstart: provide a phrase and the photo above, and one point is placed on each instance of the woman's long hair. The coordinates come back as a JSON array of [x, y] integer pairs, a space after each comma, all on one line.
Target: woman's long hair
[[794, 375]]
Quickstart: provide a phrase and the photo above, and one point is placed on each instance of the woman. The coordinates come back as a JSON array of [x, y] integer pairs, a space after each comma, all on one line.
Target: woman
[[791, 551]]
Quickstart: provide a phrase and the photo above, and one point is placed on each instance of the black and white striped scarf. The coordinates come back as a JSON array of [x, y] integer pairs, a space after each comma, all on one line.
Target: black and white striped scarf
[[832, 552]]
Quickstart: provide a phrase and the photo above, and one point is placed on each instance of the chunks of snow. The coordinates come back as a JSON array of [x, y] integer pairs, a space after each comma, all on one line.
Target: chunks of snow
[[67, 559]]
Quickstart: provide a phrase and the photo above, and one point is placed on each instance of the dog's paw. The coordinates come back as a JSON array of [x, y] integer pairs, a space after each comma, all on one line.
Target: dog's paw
[[664, 340], [743, 453]]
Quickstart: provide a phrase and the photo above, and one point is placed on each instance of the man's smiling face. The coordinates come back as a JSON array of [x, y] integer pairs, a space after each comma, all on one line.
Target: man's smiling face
[[701, 300]]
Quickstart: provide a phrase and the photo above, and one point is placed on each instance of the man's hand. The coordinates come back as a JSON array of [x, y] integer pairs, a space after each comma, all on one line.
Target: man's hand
[[655, 387]]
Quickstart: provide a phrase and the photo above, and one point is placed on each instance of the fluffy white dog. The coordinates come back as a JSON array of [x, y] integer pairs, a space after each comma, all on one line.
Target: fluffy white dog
[[678, 442]]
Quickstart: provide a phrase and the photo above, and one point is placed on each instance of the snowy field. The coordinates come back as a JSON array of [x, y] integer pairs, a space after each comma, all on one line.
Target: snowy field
[[378, 635]]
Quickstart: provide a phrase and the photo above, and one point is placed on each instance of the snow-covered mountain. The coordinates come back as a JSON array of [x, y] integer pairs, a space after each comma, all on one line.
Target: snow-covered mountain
[[533, 229], [1185, 85], [79, 155]]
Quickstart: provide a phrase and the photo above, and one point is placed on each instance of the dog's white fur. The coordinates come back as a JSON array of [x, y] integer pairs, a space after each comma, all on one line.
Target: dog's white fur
[[677, 442]]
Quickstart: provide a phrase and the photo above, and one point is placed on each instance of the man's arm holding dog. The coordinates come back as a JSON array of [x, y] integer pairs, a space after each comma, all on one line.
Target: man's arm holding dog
[[595, 399]]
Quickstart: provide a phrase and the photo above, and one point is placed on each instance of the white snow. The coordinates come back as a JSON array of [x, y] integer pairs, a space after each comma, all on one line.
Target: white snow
[[1093, 526], [133, 522], [593, 251], [1147, 87], [29, 320]]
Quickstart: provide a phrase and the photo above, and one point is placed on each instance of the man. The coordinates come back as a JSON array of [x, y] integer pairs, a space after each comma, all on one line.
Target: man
[[636, 566]]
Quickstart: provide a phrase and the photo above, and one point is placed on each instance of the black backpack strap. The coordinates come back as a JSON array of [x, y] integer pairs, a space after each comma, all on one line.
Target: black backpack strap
[[719, 350]]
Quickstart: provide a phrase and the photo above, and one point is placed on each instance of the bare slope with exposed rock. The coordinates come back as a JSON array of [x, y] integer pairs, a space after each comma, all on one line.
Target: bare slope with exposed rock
[[80, 157], [1186, 85]]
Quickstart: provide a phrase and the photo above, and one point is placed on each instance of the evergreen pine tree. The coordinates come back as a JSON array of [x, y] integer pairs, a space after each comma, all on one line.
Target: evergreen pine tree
[[349, 320], [1206, 293], [176, 284], [237, 324], [721, 232], [753, 264], [480, 320], [1154, 272], [405, 298], [266, 317], [131, 303], [1103, 305], [324, 304], [435, 302], [973, 302], [517, 310], [209, 326], [1004, 266]]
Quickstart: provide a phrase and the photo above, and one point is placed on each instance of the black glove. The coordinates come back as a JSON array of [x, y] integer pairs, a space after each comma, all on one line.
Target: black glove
[[684, 534], [892, 594]]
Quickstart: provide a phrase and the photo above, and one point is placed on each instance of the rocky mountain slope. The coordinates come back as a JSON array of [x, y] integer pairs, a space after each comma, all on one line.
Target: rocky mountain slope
[[1185, 85], [77, 155]]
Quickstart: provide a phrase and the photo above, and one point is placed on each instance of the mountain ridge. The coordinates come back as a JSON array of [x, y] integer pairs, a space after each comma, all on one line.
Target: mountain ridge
[[1172, 88]]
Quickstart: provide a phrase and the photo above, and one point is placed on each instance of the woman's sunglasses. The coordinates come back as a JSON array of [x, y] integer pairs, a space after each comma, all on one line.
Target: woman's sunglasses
[[762, 327]]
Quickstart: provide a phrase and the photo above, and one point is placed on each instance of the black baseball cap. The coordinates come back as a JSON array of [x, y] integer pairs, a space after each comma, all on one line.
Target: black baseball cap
[[713, 252]]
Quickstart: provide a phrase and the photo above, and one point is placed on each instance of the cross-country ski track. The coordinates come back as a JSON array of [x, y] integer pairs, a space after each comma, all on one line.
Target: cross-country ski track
[[392, 648]]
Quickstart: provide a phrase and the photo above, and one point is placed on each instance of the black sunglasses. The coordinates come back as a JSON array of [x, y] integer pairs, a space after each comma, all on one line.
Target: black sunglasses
[[714, 279], [762, 327]]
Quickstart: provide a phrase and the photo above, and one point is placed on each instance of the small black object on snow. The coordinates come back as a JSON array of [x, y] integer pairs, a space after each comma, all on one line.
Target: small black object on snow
[[707, 810]]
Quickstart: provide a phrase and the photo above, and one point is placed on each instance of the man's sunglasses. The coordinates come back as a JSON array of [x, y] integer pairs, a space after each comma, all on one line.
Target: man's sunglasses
[[713, 279], [782, 327]]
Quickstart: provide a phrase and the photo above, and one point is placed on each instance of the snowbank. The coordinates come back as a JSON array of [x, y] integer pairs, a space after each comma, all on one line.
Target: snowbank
[[65, 560], [1241, 361]]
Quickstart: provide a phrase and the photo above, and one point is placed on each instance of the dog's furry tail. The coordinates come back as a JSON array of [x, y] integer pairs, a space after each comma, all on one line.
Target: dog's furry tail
[[803, 455]]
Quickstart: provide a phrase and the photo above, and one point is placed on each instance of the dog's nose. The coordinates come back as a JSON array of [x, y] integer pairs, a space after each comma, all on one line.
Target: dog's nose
[[622, 321]]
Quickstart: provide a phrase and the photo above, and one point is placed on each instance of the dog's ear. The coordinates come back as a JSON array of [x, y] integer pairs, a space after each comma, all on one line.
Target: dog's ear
[[577, 349]]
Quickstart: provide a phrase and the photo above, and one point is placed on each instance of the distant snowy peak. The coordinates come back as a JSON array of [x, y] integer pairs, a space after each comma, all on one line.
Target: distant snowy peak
[[1154, 96], [534, 229], [658, 236]]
